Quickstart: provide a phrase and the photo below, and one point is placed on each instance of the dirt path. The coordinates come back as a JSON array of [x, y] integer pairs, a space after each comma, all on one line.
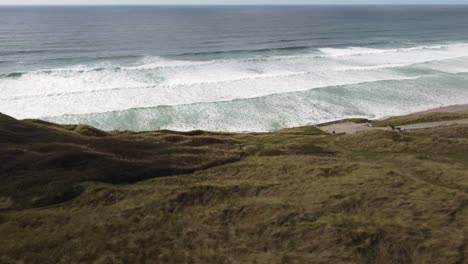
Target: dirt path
[[348, 128], [352, 128]]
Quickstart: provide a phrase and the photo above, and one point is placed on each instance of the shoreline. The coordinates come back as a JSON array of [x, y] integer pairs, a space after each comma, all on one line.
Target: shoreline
[[353, 121]]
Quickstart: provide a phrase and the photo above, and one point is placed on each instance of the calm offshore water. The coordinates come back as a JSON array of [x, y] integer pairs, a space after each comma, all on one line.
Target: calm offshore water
[[229, 68]]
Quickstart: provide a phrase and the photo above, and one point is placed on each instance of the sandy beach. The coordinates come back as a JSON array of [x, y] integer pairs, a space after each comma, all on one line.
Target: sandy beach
[[349, 127]]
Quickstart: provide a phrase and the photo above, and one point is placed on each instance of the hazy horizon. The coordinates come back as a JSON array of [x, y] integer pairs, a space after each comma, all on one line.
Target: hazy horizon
[[229, 2]]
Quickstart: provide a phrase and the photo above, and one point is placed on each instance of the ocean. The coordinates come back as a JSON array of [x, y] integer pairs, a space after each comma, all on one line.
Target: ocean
[[234, 68]]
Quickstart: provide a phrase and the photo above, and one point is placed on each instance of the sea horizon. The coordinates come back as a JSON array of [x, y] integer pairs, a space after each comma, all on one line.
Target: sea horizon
[[225, 5]]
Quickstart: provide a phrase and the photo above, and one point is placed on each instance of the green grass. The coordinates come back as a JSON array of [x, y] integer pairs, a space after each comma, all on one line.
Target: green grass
[[354, 120], [292, 196], [358, 120], [420, 118], [307, 131]]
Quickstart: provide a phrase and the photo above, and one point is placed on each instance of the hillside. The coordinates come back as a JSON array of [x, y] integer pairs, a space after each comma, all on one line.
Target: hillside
[[75, 194]]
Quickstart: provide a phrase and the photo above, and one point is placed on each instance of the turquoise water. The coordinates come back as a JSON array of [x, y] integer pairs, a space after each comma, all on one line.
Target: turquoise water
[[229, 68]]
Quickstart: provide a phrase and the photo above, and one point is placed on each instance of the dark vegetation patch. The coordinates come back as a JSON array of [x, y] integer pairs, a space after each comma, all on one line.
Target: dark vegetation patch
[[354, 120], [37, 154], [336, 170], [174, 139]]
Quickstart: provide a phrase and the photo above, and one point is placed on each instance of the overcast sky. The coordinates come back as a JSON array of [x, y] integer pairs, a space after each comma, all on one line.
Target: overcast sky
[[219, 2]]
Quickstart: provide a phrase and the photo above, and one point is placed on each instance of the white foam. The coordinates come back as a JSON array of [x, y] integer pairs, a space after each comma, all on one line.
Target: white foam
[[110, 100], [155, 62], [359, 51], [352, 51], [369, 100], [374, 67], [155, 81], [63, 81], [458, 65]]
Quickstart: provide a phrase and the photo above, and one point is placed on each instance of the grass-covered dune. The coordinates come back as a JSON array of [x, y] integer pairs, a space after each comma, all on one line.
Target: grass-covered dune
[[421, 118], [74, 194]]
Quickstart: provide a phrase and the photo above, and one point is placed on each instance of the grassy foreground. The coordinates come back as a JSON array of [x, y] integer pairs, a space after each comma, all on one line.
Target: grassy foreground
[[74, 194]]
